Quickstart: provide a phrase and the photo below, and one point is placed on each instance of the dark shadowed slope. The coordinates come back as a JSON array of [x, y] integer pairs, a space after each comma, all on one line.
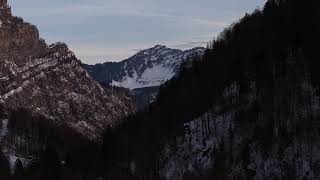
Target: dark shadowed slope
[[248, 110]]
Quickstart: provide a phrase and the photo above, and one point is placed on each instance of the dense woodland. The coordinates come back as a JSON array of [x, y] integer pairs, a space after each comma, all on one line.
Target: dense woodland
[[275, 47]]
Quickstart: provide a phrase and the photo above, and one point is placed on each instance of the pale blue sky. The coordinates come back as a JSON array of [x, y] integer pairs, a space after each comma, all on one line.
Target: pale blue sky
[[112, 30]]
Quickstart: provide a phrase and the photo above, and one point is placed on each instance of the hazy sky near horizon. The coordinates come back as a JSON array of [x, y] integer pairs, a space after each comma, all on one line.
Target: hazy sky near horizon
[[112, 30]]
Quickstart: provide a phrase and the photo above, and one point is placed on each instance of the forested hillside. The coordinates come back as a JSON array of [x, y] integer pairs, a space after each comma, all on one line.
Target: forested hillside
[[248, 110]]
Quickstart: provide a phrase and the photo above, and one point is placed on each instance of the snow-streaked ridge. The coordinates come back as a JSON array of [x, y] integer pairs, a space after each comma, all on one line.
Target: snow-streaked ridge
[[153, 67], [154, 76]]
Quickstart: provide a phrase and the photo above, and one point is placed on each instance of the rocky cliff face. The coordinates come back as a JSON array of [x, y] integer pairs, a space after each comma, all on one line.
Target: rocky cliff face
[[50, 80]]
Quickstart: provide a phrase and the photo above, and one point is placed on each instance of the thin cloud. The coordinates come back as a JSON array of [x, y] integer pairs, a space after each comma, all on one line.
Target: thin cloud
[[113, 30], [209, 22], [97, 54], [95, 10], [189, 45]]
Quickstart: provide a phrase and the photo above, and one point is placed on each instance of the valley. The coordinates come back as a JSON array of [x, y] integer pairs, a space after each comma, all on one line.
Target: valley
[[245, 107]]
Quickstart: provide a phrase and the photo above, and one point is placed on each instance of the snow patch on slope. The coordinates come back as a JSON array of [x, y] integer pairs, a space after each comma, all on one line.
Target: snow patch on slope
[[152, 67], [154, 76]]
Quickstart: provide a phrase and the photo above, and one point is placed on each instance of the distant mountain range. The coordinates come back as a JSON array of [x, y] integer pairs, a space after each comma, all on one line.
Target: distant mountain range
[[146, 70]]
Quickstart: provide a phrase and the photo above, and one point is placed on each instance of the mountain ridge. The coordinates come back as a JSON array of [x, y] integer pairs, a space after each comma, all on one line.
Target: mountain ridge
[[49, 80], [148, 68]]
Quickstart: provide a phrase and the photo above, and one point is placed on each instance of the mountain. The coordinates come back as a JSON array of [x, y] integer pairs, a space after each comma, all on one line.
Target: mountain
[[49, 83], [248, 110], [147, 69]]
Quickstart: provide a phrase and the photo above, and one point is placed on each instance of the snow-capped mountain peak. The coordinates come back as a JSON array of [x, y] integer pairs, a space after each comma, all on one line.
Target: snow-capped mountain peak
[[148, 68]]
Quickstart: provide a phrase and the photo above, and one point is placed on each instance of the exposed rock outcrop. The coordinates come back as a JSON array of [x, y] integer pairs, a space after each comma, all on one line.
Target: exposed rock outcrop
[[50, 80]]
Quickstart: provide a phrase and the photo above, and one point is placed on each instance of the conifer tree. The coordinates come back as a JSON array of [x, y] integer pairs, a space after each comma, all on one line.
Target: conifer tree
[[4, 166], [18, 170]]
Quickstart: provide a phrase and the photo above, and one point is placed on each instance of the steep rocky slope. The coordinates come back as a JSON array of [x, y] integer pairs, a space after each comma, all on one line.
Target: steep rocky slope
[[50, 81]]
